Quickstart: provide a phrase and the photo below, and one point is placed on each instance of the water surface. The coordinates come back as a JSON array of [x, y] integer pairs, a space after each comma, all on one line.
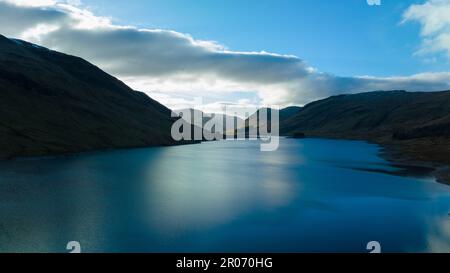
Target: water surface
[[312, 195]]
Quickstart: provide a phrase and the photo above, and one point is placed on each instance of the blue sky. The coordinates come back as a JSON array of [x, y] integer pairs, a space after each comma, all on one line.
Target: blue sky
[[250, 53], [342, 37]]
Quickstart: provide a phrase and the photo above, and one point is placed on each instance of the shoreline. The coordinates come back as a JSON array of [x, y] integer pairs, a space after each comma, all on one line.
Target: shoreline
[[91, 151], [393, 154]]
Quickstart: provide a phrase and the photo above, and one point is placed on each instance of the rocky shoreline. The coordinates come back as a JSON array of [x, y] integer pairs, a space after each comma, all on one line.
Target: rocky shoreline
[[396, 155], [433, 153]]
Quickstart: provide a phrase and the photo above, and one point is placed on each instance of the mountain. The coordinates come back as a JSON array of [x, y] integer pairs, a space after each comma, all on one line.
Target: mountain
[[53, 103], [206, 117], [417, 123], [283, 114], [254, 123], [288, 112], [381, 114]]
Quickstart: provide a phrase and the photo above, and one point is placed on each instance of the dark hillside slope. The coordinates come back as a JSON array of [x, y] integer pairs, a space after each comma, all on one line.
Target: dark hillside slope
[[53, 103]]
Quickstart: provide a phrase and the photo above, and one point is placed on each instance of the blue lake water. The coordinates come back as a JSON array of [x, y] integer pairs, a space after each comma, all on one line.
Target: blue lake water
[[312, 195]]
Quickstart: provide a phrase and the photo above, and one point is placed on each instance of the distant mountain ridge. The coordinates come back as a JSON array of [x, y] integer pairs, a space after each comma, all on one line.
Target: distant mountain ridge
[[380, 114], [254, 124], [53, 103], [207, 117]]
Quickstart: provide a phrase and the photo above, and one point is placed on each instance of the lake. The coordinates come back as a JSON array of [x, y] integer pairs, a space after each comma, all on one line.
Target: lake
[[312, 195]]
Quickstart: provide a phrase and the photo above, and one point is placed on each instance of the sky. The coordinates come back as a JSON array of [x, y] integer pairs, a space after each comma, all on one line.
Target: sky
[[249, 53], [344, 37]]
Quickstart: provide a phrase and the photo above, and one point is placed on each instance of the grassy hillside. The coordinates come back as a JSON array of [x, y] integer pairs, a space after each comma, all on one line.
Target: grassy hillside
[[52, 103]]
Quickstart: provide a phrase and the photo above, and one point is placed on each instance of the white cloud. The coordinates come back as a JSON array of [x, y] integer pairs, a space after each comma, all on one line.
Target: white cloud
[[179, 66], [434, 18], [32, 3]]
